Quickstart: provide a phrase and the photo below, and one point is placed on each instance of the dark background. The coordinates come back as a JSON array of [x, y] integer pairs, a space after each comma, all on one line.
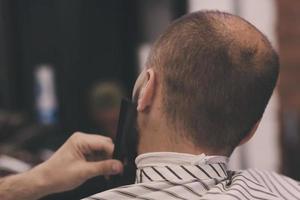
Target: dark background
[[84, 41]]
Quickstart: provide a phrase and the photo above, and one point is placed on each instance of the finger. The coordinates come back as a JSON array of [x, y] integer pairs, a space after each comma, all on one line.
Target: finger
[[95, 143], [108, 139], [89, 135], [104, 168]]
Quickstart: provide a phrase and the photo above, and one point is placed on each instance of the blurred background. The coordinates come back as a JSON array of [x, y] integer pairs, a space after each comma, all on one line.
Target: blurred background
[[65, 64]]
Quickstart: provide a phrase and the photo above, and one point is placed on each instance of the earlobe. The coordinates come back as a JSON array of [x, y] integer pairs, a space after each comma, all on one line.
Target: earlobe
[[147, 91]]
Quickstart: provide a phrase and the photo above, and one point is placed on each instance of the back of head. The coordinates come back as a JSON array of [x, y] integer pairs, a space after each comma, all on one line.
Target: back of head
[[218, 73]]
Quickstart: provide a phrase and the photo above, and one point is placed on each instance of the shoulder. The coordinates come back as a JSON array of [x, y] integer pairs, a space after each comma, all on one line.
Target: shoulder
[[263, 175], [273, 182], [127, 191]]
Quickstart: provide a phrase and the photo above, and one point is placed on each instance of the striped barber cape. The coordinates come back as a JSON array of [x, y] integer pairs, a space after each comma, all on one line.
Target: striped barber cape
[[167, 175]]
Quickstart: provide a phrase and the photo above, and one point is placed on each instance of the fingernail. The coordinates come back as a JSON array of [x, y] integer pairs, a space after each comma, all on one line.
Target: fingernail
[[116, 168]]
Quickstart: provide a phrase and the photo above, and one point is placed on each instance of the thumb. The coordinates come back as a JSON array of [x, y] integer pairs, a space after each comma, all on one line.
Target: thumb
[[105, 167]]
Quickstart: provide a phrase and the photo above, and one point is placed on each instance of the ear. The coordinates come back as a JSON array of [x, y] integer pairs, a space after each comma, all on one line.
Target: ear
[[250, 134], [146, 95]]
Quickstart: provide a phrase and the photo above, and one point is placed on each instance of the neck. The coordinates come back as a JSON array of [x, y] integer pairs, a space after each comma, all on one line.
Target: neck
[[161, 139]]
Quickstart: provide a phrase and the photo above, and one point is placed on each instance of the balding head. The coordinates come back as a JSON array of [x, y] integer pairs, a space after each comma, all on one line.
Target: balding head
[[218, 73]]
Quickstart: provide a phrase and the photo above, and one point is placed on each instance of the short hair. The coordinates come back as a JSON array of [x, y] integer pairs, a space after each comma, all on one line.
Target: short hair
[[218, 73]]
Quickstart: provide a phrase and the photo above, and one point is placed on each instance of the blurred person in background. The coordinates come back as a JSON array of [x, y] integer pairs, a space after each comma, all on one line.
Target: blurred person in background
[[104, 106]]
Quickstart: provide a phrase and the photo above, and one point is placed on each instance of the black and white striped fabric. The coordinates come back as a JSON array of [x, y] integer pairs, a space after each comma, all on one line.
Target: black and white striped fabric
[[163, 176]]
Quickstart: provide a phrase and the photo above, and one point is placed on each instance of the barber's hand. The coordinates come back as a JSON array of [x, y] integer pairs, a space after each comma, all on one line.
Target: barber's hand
[[83, 156]]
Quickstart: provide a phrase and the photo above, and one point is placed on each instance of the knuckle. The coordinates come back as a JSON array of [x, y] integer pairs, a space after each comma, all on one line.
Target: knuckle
[[76, 135], [76, 138]]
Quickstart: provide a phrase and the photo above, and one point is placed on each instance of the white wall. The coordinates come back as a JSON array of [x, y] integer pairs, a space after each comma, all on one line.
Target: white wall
[[262, 151], [223, 5]]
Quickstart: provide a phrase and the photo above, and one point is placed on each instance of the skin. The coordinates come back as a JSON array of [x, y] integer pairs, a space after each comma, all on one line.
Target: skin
[[155, 133], [70, 166]]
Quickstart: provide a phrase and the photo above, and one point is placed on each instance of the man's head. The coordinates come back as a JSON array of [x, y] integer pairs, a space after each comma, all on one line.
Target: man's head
[[208, 78]]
